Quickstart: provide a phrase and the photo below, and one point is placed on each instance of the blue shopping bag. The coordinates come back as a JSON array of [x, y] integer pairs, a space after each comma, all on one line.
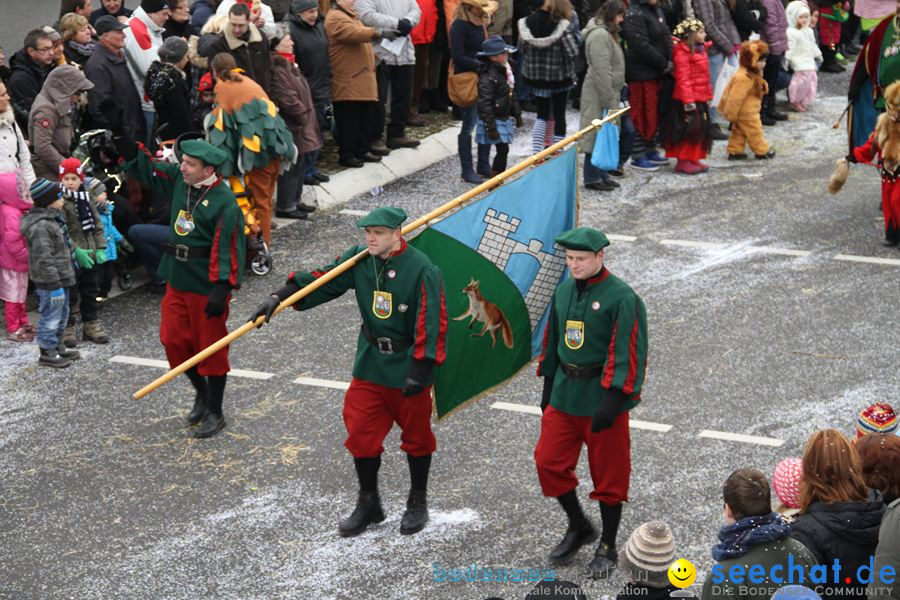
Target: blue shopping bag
[[605, 155]]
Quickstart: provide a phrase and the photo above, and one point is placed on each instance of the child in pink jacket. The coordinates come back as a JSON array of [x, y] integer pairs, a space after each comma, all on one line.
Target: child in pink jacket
[[14, 202]]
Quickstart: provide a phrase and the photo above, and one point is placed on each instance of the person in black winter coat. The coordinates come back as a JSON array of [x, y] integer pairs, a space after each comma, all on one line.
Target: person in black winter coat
[[498, 109], [749, 17], [648, 59], [840, 516], [112, 8], [169, 89], [29, 68]]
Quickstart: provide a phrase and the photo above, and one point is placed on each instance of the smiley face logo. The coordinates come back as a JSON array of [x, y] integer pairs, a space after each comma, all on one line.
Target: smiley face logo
[[682, 573]]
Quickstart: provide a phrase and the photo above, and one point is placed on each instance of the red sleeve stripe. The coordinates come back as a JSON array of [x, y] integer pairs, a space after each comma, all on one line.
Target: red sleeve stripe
[[421, 327], [610, 370], [628, 388], [544, 344], [440, 353], [233, 271], [214, 255]]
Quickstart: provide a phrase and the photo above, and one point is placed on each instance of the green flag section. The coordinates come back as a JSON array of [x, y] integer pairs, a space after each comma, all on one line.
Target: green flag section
[[489, 330], [501, 266]]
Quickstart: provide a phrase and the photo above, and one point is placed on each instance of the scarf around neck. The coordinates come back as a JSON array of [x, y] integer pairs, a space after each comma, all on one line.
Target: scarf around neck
[[739, 538], [82, 207]]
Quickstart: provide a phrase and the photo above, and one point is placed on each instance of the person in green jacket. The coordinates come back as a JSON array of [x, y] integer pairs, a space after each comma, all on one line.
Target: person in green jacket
[[402, 338], [756, 554], [203, 262], [593, 363]]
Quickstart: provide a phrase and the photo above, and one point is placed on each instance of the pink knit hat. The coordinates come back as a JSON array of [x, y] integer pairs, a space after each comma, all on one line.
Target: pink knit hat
[[786, 481]]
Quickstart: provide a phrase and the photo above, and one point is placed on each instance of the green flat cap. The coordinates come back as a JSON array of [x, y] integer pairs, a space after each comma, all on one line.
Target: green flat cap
[[383, 216], [204, 151], [582, 238]]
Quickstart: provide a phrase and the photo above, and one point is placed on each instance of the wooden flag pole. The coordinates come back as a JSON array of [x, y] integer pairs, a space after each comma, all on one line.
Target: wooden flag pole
[[351, 262]]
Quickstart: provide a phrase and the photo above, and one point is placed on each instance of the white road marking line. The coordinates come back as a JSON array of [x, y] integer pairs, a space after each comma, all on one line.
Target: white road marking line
[[150, 362], [615, 237], [691, 244], [354, 213], [325, 383], [781, 251], [536, 410], [868, 259], [740, 437]]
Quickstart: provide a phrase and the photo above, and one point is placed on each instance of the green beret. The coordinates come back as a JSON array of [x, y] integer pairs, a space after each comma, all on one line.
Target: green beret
[[583, 238], [204, 151], [384, 216]]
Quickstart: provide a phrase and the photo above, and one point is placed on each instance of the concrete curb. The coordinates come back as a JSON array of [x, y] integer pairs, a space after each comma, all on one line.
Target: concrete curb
[[400, 163]]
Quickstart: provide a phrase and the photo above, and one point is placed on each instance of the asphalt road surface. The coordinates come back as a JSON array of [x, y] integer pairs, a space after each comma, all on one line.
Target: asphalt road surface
[[762, 330]]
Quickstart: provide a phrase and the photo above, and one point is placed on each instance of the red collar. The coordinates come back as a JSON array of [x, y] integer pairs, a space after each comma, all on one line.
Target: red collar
[[403, 247], [603, 274]]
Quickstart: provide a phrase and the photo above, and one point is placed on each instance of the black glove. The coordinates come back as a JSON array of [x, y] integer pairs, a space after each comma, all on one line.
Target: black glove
[[385, 34], [493, 134], [610, 406], [404, 26], [545, 395], [416, 379], [850, 158], [518, 121], [126, 148], [217, 299], [669, 67], [267, 308]]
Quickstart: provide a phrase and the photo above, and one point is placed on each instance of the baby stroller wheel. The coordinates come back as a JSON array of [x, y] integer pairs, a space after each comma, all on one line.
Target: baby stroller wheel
[[123, 280], [261, 264]]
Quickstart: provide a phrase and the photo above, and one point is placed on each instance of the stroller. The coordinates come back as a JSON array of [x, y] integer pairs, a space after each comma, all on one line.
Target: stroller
[[259, 259]]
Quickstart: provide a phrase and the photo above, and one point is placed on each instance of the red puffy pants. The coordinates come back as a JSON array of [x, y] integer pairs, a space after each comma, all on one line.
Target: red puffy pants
[[370, 410], [185, 330], [609, 455]]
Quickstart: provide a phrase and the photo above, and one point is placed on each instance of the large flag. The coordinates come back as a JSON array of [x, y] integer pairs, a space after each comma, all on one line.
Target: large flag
[[500, 267]]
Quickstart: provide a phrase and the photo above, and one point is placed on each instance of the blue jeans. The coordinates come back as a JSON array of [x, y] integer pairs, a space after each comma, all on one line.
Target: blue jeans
[[149, 240], [469, 118], [591, 173], [309, 163], [716, 61], [53, 320]]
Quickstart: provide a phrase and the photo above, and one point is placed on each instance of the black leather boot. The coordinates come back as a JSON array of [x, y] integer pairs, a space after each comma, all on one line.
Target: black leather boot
[[579, 532], [214, 421], [368, 510], [200, 398], [605, 558], [416, 515]]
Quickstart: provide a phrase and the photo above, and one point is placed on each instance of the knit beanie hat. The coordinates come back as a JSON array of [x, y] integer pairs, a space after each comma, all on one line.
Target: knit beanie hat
[[152, 6], [96, 187], [648, 554], [876, 418], [556, 590], [206, 83], [795, 592], [44, 192], [299, 6], [786, 481], [173, 50], [73, 166], [276, 34]]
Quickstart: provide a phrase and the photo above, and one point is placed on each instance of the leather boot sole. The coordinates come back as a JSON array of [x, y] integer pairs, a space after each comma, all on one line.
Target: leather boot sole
[[414, 529], [378, 518], [568, 556]]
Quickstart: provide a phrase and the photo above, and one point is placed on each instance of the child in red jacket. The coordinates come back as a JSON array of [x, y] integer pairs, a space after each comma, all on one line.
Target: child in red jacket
[[685, 132]]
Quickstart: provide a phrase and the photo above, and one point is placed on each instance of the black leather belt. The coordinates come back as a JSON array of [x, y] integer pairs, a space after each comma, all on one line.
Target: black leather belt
[[588, 372], [183, 253], [386, 345]]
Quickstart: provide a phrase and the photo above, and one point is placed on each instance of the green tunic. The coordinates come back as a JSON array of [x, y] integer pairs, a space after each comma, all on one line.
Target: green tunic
[[218, 226], [605, 325], [888, 64], [401, 298]]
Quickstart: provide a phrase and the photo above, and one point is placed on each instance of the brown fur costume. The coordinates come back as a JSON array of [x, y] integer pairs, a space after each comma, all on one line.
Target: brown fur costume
[[742, 100]]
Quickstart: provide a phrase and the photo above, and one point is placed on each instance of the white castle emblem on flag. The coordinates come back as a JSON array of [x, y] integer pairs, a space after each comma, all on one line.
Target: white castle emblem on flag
[[498, 246]]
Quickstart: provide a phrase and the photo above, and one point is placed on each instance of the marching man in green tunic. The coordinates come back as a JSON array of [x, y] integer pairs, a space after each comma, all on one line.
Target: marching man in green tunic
[[402, 338], [593, 361], [203, 262]]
